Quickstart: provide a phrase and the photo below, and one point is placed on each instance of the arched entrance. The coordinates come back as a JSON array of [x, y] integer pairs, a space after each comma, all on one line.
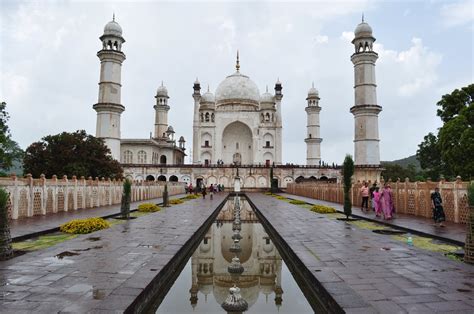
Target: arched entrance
[[163, 159], [237, 145], [173, 179], [162, 178], [150, 178]]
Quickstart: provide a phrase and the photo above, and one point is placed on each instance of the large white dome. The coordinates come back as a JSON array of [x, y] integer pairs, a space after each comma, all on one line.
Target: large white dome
[[237, 87]]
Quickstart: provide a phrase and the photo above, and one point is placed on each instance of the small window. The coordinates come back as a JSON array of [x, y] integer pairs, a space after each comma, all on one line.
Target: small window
[[205, 240], [267, 241], [206, 143], [267, 143], [236, 145]]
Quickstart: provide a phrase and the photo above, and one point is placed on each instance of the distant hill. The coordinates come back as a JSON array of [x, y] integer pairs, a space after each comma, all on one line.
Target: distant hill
[[404, 162], [17, 168]]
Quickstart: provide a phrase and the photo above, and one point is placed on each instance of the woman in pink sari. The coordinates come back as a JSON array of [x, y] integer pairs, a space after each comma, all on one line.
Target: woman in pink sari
[[377, 205], [387, 202]]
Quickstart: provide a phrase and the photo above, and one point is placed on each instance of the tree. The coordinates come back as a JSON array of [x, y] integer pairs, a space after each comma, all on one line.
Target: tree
[[347, 172], [450, 152], [126, 199], [9, 149], [6, 250], [394, 171], [75, 153]]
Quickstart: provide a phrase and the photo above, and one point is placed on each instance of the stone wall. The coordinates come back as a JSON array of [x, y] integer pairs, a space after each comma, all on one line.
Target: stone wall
[[412, 198], [31, 197]]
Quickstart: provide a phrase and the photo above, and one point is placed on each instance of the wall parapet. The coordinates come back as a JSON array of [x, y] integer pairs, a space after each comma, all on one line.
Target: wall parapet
[[413, 198], [32, 197]]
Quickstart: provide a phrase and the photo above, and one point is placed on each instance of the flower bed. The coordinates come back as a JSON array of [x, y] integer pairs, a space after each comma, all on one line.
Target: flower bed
[[148, 208], [83, 226], [321, 209]]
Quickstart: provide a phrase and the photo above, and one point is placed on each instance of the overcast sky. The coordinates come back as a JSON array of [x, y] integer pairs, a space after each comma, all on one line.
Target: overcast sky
[[49, 69]]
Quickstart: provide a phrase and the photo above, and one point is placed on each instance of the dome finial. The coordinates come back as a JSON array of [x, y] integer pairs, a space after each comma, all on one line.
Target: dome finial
[[208, 88], [312, 84], [237, 65], [113, 17], [362, 17], [267, 88], [162, 83]]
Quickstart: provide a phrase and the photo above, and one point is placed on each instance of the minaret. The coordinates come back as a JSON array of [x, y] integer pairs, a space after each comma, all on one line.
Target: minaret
[[365, 109], [313, 139], [278, 125], [109, 107], [196, 124], [161, 112]]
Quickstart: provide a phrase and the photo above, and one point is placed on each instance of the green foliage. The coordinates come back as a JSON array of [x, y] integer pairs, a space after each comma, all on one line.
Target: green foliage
[[347, 172], [322, 209], [297, 202], [393, 171], [70, 154], [126, 199], [279, 197], [450, 152], [83, 226], [470, 194], [148, 208], [190, 197], [9, 149], [176, 201]]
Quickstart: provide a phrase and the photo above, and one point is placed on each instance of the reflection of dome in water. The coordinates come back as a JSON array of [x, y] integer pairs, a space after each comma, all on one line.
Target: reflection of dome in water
[[245, 242], [249, 294]]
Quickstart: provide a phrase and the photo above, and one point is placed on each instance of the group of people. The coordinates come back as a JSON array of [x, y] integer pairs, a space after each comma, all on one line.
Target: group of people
[[213, 188], [381, 201]]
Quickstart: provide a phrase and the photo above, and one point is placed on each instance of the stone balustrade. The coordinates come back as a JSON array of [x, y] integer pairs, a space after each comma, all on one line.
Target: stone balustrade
[[30, 197], [412, 198]]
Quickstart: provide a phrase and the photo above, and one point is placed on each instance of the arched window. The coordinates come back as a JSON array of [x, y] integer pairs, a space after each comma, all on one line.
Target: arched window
[[115, 46], [141, 156], [127, 157], [212, 117], [162, 178], [207, 116], [163, 159], [150, 178], [267, 117], [202, 117]]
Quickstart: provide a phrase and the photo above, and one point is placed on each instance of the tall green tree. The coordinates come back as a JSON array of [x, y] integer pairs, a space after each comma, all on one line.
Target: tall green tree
[[347, 172], [6, 250], [9, 149], [70, 154], [450, 152]]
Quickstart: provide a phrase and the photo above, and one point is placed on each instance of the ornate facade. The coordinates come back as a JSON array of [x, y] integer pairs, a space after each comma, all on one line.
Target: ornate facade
[[237, 125]]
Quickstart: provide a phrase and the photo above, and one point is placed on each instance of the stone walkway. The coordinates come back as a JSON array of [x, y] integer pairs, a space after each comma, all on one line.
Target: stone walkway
[[453, 232], [111, 269], [25, 226], [370, 273]]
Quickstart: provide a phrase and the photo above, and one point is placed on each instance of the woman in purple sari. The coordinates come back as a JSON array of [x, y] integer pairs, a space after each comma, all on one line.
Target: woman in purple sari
[[387, 202]]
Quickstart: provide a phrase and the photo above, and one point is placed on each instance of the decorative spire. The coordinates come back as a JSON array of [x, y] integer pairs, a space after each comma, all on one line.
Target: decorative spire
[[312, 85], [362, 17], [161, 83], [208, 88], [267, 88], [113, 17], [237, 65]]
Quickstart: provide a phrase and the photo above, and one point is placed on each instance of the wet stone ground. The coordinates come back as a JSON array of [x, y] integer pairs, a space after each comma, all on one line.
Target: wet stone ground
[[367, 272], [103, 271]]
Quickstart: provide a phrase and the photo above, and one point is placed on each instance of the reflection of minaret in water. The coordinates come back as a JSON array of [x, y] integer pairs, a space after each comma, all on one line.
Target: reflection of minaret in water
[[234, 302], [194, 287], [278, 289]]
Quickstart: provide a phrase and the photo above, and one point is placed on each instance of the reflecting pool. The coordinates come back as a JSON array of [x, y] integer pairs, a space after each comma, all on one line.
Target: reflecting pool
[[266, 284]]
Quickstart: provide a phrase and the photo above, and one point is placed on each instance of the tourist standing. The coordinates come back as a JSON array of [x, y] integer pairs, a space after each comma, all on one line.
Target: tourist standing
[[364, 191], [190, 188], [437, 206], [371, 192], [203, 190], [211, 191], [387, 202], [376, 200]]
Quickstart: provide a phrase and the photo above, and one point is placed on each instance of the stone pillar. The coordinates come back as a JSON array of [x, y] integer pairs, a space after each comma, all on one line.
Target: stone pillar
[[31, 194], [196, 123], [44, 194], [313, 139]]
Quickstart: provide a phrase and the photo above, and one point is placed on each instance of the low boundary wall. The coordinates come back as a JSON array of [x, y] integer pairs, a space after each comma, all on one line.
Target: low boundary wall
[[30, 197], [412, 198]]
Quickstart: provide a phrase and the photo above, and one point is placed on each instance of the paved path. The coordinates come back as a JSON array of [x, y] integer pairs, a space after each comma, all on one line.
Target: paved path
[[109, 273], [370, 273], [25, 226], [452, 231]]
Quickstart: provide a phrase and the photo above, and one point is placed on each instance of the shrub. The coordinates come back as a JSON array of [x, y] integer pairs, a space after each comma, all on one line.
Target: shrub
[[148, 208], [321, 209], [297, 202], [82, 226], [190, 197], [470, 194], [347, 172], [280, 197], [176, 201]]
